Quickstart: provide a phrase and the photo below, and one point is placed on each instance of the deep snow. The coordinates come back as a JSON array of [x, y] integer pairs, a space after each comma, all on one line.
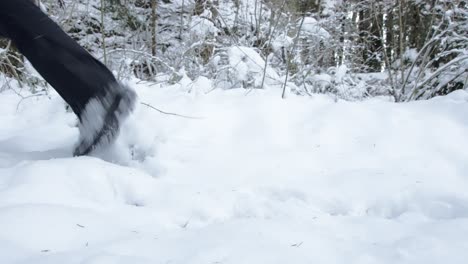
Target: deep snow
[[253, 179]]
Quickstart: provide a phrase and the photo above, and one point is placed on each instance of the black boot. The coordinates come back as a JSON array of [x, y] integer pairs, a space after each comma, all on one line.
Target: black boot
[[102, 117]]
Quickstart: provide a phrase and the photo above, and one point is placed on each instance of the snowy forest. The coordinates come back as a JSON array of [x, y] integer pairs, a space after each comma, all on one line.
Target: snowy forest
[[234, 132], [405, 49]]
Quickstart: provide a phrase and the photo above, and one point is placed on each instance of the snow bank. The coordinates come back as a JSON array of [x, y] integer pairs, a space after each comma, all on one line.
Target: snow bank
[[312, 27], [248, 68], [248, 179], [200, 26]]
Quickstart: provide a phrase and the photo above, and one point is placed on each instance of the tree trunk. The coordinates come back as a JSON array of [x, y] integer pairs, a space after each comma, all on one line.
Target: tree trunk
[[390, 36], [375, 42], [103, 35], [153, 27]]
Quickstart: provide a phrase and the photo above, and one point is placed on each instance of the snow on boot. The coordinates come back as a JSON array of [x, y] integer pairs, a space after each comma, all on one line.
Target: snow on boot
[[102, 118]]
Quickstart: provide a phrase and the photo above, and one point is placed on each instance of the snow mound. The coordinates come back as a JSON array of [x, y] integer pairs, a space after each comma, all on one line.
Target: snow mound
[[312, 27], [79, 182], [248, 68]]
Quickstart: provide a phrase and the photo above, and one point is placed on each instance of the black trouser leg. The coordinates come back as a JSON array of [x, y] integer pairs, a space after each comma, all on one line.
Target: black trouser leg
[[2, 31], [71, 70]]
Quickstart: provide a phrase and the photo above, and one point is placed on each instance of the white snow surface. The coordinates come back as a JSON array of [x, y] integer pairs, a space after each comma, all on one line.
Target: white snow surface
[[254, 179]]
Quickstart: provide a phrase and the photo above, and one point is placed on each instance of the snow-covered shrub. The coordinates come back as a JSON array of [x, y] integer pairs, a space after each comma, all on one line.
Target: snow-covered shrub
[[243, 67], [345, 84]]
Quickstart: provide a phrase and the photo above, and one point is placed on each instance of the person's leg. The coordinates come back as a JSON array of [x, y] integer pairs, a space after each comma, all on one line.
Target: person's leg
[[75, 74], [90, 89]]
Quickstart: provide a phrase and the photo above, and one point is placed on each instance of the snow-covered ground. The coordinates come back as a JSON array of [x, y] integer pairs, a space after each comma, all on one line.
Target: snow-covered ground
[[253, 179]]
